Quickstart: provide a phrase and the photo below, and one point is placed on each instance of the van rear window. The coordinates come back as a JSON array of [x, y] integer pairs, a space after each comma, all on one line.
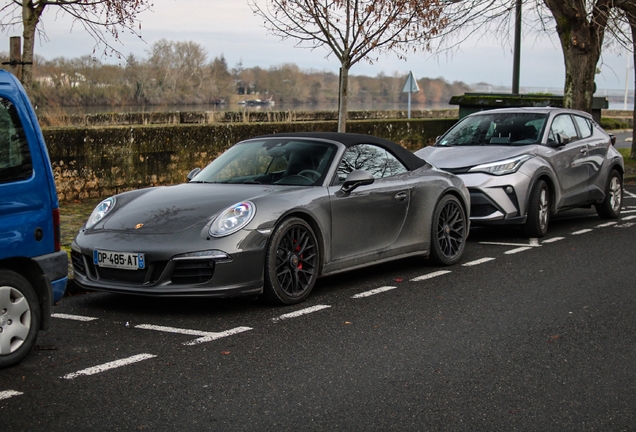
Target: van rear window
[[15, 158]]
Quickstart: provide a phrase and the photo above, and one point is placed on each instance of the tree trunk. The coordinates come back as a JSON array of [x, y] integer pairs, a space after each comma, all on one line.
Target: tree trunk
[[633, 153], [632, 23], [342, 97], [581, 41], [30, 19], [580, 69]]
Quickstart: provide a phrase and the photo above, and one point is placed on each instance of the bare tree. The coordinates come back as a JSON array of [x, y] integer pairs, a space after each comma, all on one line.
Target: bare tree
[[581, 28], [622, 35], [353, 30], [579, 24], [98, 17]]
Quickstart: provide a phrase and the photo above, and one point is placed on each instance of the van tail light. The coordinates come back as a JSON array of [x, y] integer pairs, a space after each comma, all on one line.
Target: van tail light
[[56, 229]]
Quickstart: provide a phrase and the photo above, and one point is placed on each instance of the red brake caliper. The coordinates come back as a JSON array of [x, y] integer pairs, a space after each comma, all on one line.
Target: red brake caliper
[[300, 264]]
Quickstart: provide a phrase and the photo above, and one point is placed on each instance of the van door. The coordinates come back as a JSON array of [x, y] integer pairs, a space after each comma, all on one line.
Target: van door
[[26, 228]]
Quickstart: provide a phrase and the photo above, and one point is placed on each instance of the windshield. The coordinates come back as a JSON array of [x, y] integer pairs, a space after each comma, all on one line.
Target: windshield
[[510, 129], [271, 161]]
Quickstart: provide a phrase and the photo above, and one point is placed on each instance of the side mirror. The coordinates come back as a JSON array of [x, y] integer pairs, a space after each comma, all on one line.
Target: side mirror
[[193, 173], [563, 139], [356, 179], [613, 139]]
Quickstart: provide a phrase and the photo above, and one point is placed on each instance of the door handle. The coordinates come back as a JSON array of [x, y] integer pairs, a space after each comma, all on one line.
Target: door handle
[[583, 150], [401, 196]]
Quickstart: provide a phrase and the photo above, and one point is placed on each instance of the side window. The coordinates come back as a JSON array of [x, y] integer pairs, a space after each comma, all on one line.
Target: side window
[[585, 126], [15, 159], [564, 125], [375, 160]]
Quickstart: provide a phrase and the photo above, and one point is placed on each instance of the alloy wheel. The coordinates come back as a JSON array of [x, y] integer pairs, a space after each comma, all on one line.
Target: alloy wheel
[[615, 193], [296, 261], [544, 209], [451, 228]]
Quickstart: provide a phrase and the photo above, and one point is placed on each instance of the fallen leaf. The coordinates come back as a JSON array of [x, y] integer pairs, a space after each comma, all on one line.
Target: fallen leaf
[[225, 352]]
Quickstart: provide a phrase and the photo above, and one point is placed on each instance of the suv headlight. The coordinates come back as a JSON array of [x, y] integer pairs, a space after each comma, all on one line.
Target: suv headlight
[[233, 219], [102, 209], [507, 166]]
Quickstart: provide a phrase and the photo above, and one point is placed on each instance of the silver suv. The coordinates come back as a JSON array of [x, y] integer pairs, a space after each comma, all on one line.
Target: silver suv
[[522, 165]]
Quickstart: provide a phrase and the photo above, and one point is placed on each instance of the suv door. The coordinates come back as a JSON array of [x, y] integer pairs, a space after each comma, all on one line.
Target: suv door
[[597, 146], [569, 161]]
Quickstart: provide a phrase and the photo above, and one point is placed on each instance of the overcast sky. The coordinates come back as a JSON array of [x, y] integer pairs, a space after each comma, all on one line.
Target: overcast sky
[[229, 28]]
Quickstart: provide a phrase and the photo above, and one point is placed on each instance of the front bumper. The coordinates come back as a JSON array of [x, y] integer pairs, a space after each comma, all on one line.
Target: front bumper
[[168, 273], [497, 199]]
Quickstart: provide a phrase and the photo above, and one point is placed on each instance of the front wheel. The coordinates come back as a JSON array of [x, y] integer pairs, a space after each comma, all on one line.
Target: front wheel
[[610, 208], [19, 318], [449, 231], [291, 262], [538, 211]]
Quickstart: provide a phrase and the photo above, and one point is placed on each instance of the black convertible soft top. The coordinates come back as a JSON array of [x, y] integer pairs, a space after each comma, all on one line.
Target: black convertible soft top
[[411, 161]]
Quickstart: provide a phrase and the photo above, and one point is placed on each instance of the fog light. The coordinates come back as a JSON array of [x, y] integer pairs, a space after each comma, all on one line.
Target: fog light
[[509, 189]]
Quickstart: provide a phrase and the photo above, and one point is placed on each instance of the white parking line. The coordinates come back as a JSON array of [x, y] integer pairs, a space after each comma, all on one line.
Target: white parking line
[[73, 317], [583, 231], [477, 262], [430, 275], [521, 249], [531, 243], [553, 239], [111, 365], [607, 224], [628, 218], [629, 194], [9, 393], [628, 211], [301, 312], [374, 292], [205, 336]]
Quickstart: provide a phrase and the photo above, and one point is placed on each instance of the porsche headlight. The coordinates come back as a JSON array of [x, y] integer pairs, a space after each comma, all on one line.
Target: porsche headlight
[[233, 219], [102, 209], [507, 166]]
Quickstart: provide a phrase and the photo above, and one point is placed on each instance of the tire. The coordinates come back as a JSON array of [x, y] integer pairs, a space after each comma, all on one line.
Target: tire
[[448, 231], [536, 225], [610, 208], [19, 318], [291, 262]]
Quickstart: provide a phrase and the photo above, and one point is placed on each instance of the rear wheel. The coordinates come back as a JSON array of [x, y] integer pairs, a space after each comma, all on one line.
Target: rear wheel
[[19, 318], [449, 231], [291, 263], [610, 208], [538, 211]]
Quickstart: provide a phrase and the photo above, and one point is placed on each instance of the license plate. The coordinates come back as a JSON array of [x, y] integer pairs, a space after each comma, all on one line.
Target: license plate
[[119, 260]]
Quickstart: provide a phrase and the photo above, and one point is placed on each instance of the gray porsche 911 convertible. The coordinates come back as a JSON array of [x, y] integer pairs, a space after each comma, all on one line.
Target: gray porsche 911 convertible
[[271, 215]]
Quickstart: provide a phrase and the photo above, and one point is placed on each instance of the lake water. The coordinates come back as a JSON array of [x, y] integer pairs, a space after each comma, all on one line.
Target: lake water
[[613, 104], [236, 107]]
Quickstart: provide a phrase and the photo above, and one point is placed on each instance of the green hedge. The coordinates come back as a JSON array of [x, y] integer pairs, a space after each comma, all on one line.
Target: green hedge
[[92, 162]]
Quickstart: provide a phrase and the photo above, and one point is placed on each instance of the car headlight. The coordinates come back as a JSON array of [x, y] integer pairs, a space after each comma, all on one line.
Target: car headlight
[[507, 166], [233, 219], [102, 209]]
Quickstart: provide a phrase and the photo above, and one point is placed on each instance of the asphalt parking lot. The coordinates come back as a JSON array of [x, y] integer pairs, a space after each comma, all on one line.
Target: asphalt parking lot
[[523, 334]]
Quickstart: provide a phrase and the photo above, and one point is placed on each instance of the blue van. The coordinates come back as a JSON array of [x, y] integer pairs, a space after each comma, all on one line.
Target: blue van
[[33, 269]]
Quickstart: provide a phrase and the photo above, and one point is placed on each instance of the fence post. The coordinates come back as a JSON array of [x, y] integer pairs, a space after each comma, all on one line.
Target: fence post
[[15, 56]]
